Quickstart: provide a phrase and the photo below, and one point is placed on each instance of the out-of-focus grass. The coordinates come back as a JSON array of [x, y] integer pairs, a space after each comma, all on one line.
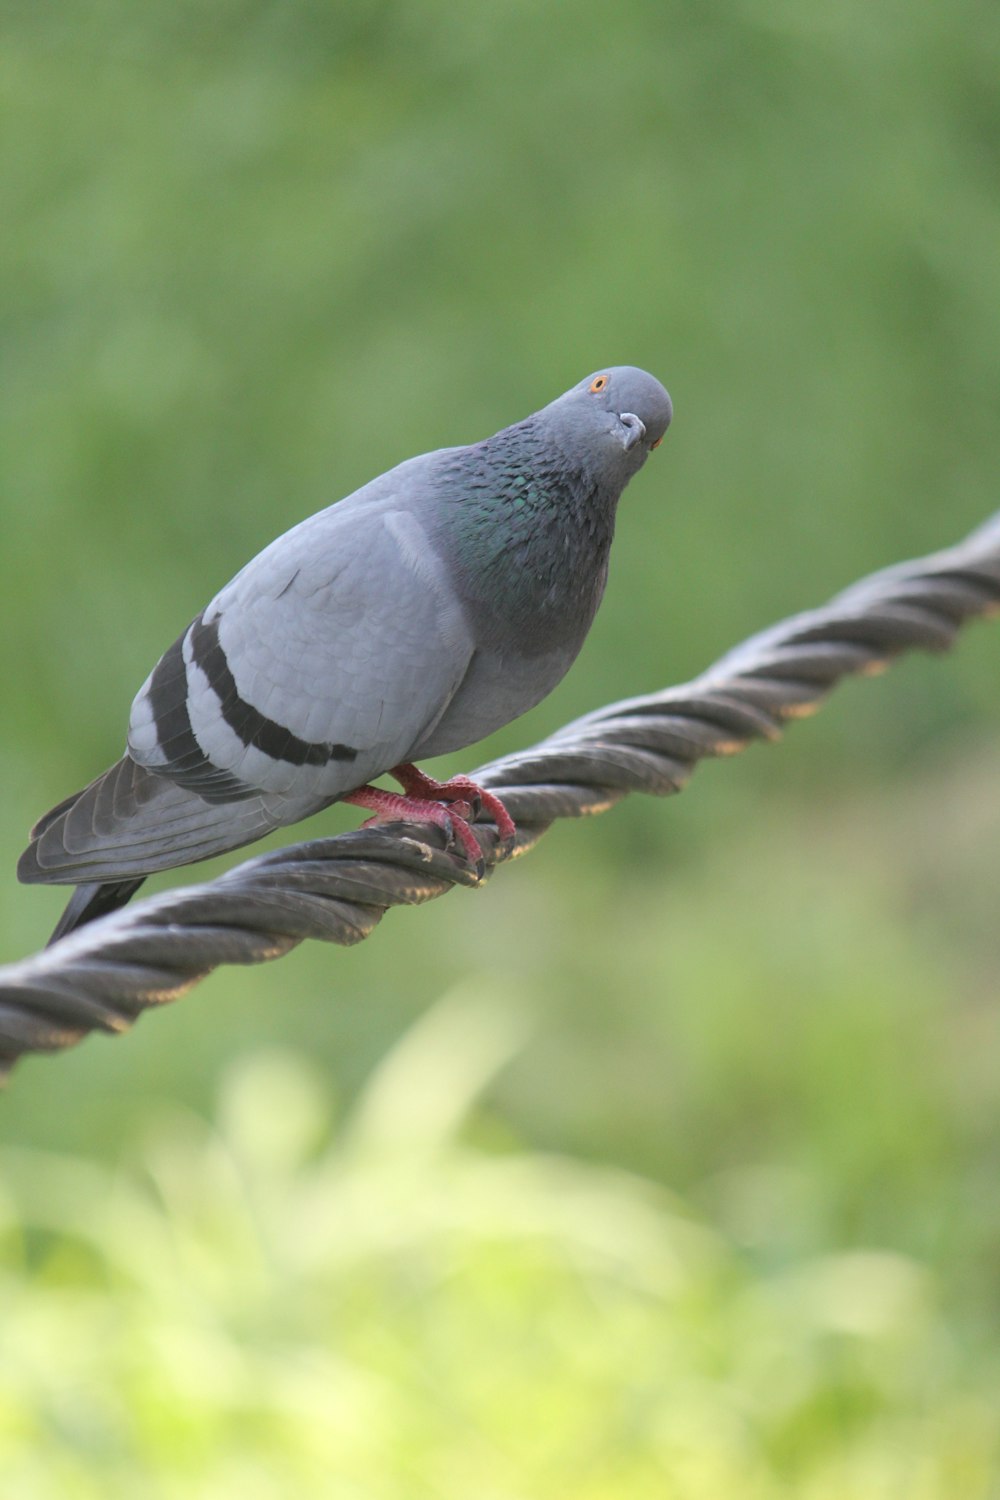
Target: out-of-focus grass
[[251, 1308]]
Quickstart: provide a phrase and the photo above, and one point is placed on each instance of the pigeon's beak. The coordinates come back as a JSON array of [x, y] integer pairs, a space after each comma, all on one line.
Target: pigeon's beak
[[632, 430]]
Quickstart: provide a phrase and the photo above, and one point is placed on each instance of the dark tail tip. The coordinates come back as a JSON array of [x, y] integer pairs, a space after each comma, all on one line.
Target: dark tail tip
[[29, 869], [28, 872], [91, 901]]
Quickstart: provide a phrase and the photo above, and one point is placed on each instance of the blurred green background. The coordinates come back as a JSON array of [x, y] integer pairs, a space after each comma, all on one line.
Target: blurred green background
[[668, 1165]]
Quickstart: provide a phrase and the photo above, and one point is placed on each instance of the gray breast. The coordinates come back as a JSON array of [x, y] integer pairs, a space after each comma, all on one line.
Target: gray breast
[[495, 689]]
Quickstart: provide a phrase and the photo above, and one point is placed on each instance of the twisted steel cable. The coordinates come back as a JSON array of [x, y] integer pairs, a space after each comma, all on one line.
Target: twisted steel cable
[[337, 889]]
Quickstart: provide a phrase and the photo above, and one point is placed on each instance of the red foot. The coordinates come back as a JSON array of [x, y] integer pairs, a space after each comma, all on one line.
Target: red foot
[[449, 804], [417, 783]]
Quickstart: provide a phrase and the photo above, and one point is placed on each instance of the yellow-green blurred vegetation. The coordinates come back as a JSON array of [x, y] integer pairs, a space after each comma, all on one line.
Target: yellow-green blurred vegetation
[[669, 1165]]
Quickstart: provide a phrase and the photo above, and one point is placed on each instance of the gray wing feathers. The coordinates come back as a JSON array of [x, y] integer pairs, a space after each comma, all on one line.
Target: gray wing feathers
[[320, 665], [131, 822], [324, 663], [162, 735]]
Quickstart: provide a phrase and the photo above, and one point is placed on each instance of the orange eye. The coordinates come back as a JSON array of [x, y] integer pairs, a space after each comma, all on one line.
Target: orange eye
[[598, 383], [655, 445]]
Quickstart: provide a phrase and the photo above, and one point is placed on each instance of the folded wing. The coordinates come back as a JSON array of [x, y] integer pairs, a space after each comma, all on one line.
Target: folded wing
[[320, 666]]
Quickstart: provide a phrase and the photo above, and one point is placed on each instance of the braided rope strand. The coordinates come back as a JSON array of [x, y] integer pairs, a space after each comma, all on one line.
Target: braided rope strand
[[337, 889]]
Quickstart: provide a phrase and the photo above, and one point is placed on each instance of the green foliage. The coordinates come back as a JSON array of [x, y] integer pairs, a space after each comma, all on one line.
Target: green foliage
[[688, 1188], [258, 1311]]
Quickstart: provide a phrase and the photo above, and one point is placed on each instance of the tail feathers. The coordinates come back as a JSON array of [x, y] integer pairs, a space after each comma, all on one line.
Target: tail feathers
[[93, 900], [52, 814], [130, 822]]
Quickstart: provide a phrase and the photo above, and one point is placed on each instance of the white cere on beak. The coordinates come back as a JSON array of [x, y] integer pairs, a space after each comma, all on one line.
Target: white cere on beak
[[633, 430]]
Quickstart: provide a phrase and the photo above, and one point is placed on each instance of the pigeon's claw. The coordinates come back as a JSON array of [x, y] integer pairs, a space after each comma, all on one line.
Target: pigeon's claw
[[452, 805], [390, 807], [417, 783]]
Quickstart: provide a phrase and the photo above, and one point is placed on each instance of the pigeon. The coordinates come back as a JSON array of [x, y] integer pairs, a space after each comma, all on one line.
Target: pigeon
[[410, 619]]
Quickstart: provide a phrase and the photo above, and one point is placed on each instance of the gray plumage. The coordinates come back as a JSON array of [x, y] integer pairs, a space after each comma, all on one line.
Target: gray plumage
[[416, 616]]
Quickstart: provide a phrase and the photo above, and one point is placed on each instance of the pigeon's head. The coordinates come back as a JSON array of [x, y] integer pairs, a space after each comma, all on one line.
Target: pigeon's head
[[613, 420]]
